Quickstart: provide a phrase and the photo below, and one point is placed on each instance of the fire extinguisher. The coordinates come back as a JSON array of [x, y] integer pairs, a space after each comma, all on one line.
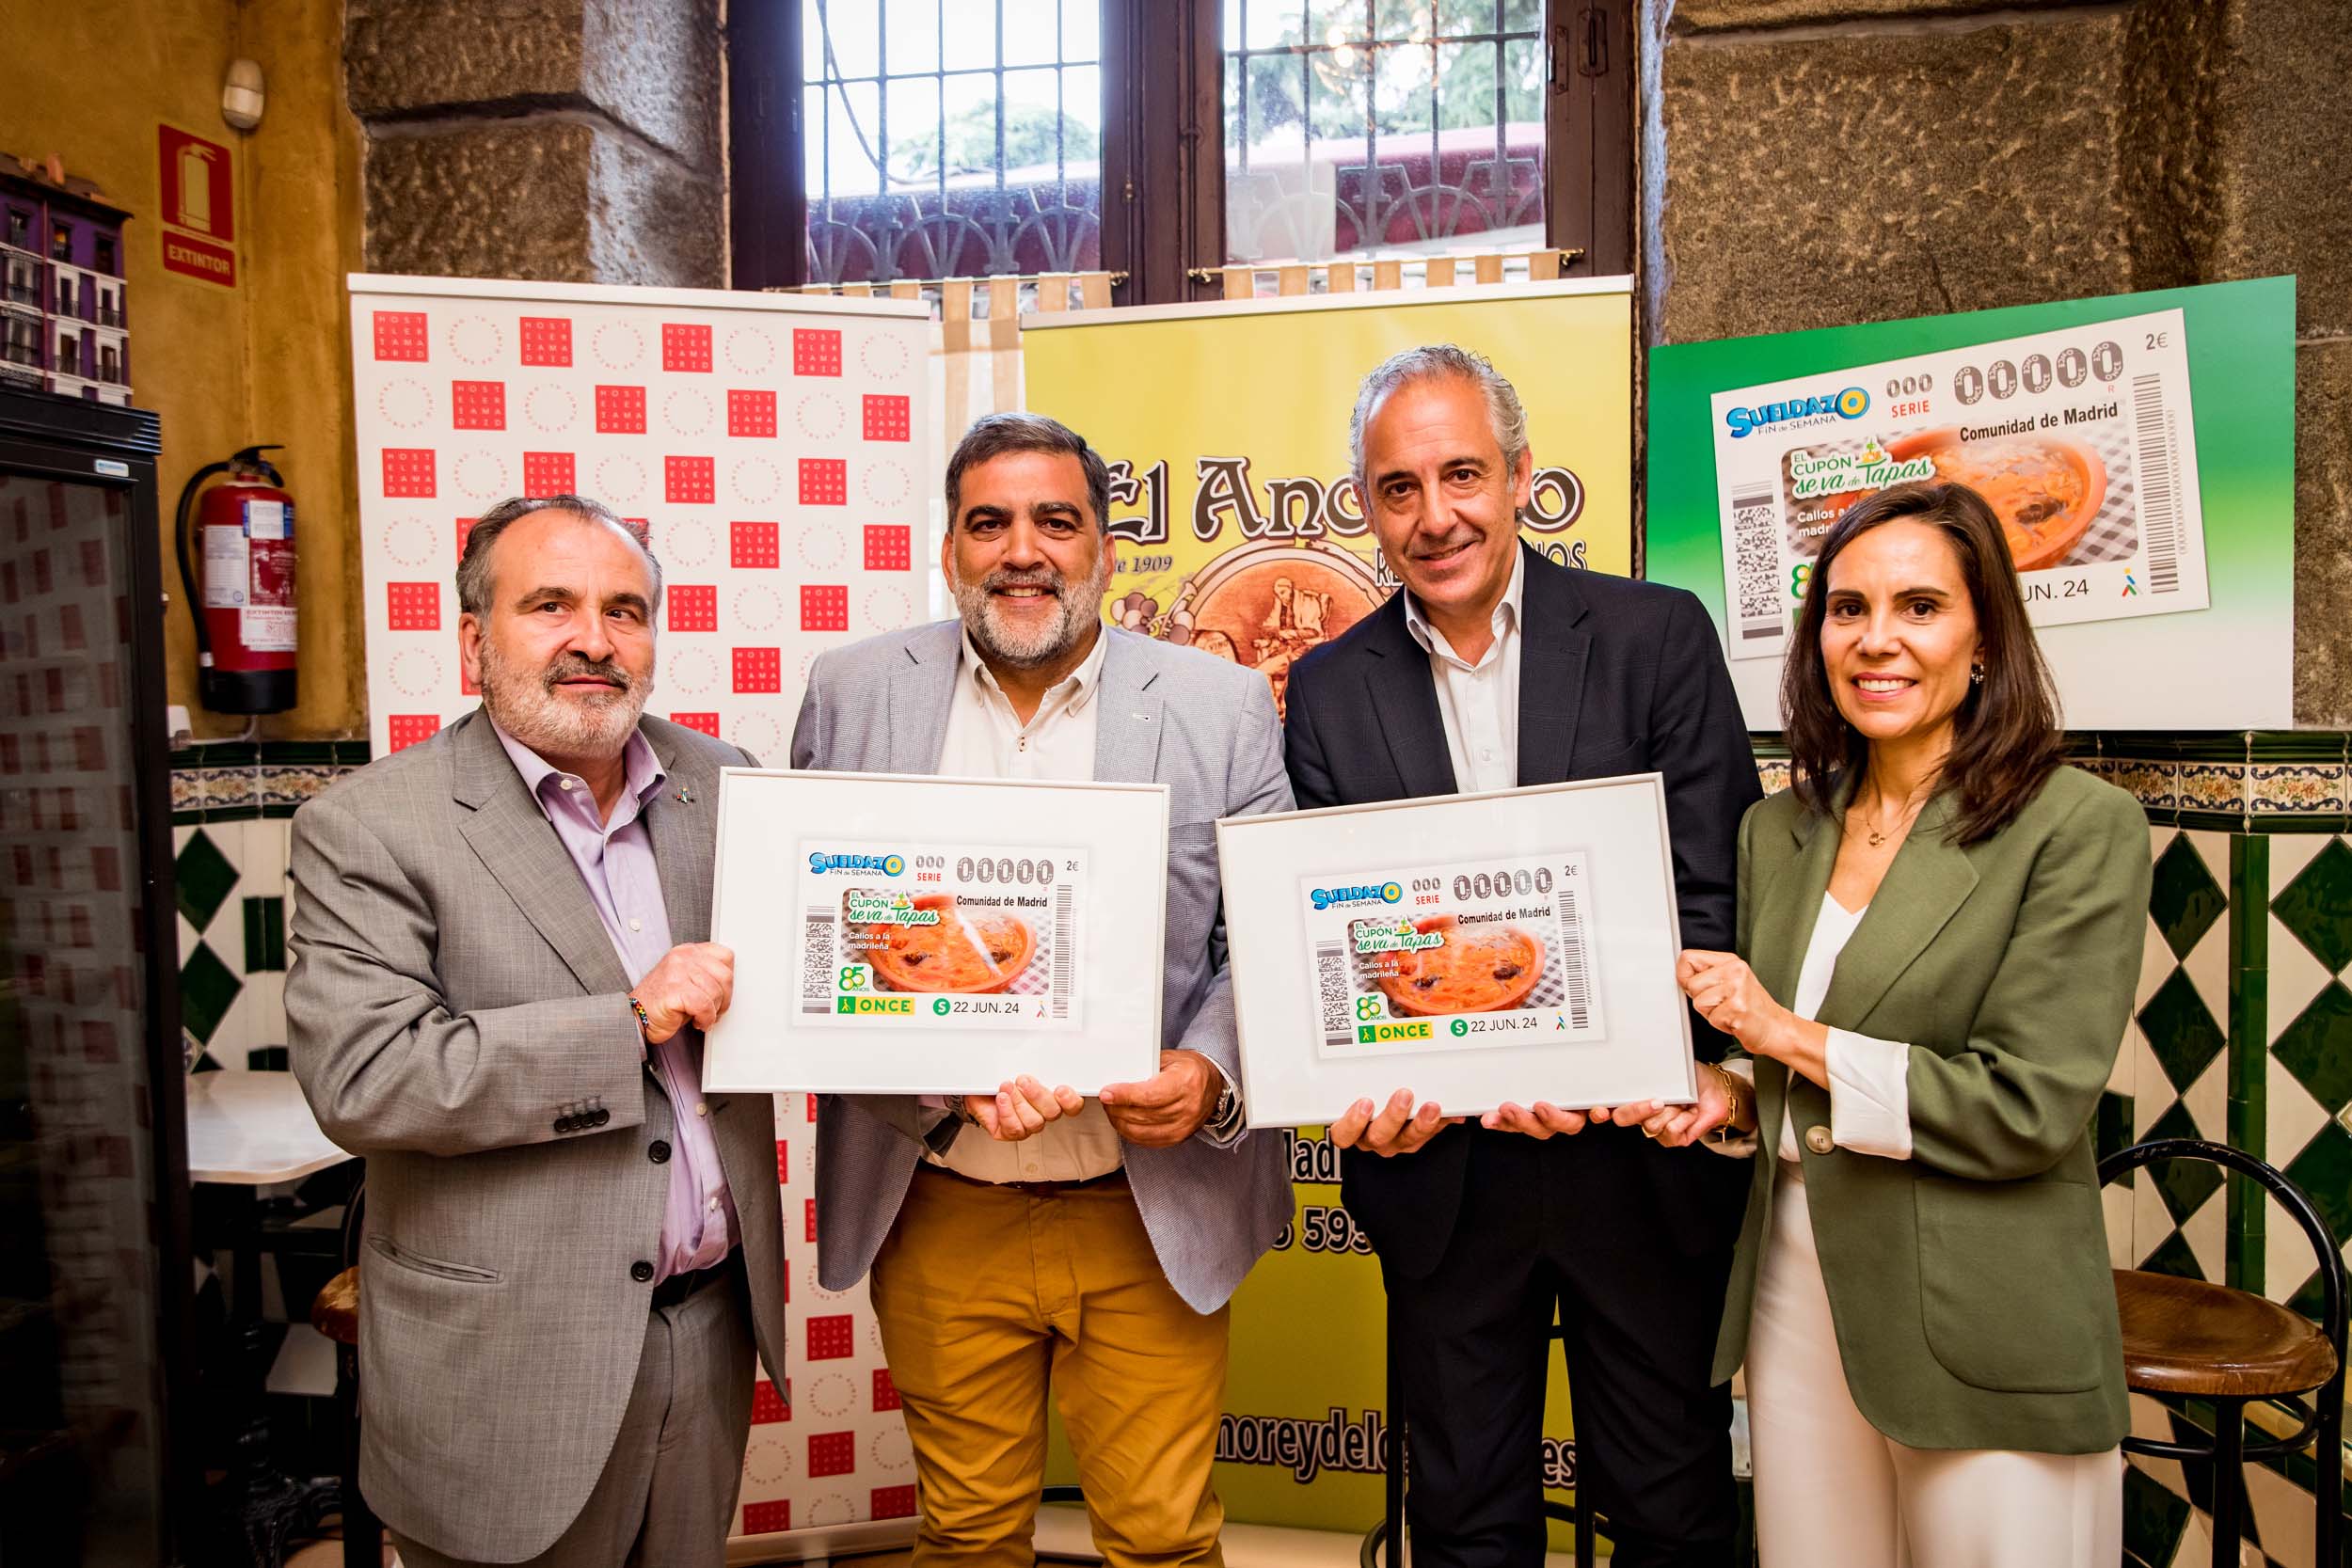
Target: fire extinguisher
[[244, 607]]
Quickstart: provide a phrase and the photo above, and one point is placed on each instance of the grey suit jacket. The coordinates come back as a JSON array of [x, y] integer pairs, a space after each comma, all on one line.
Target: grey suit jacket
[[1207, 729], [458, 1016]]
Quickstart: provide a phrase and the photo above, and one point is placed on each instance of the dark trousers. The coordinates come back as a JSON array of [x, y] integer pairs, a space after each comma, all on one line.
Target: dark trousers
[[1537, 1234]]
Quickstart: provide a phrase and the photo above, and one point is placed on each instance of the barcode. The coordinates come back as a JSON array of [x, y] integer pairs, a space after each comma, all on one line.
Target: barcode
[[817, 961], [1063, 940], [1331, 982], [1574, 960], [1758, 567], [2160, 509]]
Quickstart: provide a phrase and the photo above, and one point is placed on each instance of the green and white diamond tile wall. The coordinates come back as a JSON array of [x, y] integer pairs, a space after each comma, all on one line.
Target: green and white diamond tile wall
[[2174, 1064], [2308, 1009], [233, 917]]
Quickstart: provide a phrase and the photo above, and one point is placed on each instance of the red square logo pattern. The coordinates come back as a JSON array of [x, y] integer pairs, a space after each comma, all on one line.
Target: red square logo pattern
[[824, 482], [409, 728], [767, 1406], [547, 473], [808, 1220], [685, 347], [408, 473], [832, 1454], [547, 339], [706, 722], [400, 335], [477, 404], [751, 413], [816, 350], [621, 410], [759, 670], [894, 1502], [413, 606], [888, 418], [889, 548], [465, 528], [693, 606], [752, 544], [832, 1338], [768, 1519], [690, 480], [886, 1391], [824, 607], [784, 1163]]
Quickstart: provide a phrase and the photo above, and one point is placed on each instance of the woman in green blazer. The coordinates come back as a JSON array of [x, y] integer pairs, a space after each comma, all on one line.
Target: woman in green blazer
[[1939, 932]]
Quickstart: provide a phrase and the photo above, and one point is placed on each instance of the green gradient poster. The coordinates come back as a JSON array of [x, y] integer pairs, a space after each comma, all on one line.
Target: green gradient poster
[[2140, 450]]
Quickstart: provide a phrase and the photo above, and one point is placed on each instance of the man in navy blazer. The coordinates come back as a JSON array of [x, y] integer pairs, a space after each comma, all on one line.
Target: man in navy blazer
[[1493, 667]]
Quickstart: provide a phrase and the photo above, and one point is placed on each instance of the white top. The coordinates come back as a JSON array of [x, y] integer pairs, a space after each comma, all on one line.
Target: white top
[[985, 738], [1479, 703], [1869, 1080], [252, 1129]]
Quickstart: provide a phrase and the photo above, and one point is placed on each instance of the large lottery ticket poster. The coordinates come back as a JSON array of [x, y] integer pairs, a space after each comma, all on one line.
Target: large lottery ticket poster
[[778, 449], [2139, 451], [776, 446]]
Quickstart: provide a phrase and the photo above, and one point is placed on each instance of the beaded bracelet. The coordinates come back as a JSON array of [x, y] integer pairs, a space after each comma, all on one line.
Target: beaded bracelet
[[645, 1024]]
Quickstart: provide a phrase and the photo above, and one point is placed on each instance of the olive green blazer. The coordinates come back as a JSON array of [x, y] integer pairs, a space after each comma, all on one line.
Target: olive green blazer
[[1969, 1283]]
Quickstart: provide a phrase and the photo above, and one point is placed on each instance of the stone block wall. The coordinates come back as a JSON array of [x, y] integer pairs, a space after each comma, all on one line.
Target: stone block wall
[[569, 140], [1812, 163]]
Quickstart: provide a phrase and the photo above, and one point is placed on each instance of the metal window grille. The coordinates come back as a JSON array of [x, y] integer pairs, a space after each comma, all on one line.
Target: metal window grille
[[894, 191], [1412, 174]]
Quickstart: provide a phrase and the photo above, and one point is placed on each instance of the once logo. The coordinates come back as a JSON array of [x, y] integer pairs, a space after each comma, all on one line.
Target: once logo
[[861, 1005], [1372, 1034]]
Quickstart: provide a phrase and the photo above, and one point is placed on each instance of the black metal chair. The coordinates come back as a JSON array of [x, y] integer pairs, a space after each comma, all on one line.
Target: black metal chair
[[2190, 1339], [335, 1314]]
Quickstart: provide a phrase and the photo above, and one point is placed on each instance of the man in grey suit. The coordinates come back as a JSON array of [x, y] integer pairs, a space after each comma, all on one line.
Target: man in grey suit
[[500, 985], [1038, 1240]]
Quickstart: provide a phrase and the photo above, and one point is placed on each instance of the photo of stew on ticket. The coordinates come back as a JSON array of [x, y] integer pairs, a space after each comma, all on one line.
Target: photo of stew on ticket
[[2080, 439], [1454, 955], [942, 936]]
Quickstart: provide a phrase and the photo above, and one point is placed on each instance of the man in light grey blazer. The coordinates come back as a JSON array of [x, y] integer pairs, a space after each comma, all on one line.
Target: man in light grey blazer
[[1044, 1239], [500, 985]]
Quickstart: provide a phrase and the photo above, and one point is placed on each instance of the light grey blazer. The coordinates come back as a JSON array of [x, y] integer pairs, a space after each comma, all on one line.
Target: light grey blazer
[[458, 1016], [1206, 728]]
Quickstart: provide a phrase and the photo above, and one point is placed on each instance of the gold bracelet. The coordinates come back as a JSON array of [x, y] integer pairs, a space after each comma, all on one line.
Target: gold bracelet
[[1731, 1088]]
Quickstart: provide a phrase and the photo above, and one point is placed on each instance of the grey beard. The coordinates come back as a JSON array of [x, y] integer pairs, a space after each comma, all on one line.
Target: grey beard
[[978, 609], [526, 710]]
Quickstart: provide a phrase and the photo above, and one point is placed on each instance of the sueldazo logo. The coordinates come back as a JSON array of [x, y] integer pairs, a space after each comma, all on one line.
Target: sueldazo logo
[[1851, 403], [1334, 898], [889, 865]]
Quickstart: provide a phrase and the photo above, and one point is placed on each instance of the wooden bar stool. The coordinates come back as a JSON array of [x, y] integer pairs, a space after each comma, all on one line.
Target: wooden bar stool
[[2188, 1338]]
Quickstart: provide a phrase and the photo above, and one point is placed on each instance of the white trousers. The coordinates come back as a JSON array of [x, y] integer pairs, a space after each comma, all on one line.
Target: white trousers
[[1832, 1491]]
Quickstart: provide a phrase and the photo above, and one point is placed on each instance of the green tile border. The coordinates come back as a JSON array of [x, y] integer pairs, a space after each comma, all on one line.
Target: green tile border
[[2226, 782]]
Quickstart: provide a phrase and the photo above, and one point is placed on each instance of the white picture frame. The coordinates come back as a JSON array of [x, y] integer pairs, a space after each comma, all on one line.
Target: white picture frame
[[1562, 995], [1051, 965]]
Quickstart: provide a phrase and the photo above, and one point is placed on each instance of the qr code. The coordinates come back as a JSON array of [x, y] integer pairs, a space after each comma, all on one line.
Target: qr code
[[817, 963], [1332, 983], [1758, 566]]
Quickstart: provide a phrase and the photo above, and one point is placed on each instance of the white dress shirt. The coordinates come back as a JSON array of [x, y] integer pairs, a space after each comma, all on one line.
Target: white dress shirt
[[986, 740], [1869, 1080], [1479, 701]]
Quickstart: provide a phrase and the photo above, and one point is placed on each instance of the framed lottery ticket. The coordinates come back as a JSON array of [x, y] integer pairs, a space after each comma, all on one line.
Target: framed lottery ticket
[[1477, 949], [898, 935]]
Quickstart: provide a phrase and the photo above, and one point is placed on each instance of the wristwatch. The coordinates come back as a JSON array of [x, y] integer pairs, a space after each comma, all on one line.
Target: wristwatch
[[1225, 1114]]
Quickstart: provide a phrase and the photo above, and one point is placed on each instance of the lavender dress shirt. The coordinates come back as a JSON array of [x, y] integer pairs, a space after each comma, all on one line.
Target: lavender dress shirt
[[615, 860]]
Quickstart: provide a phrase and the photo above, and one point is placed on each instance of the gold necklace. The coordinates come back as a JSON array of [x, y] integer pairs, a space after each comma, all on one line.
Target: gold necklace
[[1878, 837]]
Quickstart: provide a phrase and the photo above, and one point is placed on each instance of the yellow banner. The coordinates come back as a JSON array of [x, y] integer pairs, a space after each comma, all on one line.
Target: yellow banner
[[1240, 534], [1226, 425]]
